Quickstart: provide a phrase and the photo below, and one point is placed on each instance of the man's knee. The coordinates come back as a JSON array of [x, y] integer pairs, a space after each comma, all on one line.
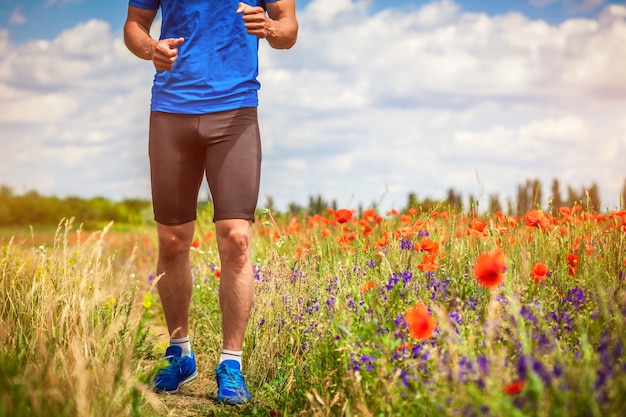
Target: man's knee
[[175, 240], [234, 239]]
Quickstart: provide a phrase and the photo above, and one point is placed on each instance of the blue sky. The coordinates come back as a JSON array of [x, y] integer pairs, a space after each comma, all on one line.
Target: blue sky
[[378, 99], [45, 19]]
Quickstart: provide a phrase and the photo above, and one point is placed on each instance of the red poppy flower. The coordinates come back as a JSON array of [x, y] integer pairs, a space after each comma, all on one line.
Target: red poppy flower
[[478, 224], [514, 388], [421, 324], [195, 244], [536, 218], [404, 346], [345, 239], [489, 268], [476, 233], [565, 211], [406, 219], [369, 285], [369, 214], [572, 263], [539, 272], [429, 245], [428, 263], [343, 215]]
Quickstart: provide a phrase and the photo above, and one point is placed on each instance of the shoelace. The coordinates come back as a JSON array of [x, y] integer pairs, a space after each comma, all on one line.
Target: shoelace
[[230, 378], [174, 364]]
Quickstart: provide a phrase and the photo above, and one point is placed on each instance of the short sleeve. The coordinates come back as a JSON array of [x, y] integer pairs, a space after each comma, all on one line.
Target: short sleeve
[[145, 4]]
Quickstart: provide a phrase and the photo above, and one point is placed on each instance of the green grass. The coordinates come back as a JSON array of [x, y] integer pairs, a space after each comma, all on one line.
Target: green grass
[[77, 339]]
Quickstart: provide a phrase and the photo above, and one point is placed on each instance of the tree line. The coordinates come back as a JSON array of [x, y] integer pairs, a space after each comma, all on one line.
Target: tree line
[[32, 208], [530, 196]]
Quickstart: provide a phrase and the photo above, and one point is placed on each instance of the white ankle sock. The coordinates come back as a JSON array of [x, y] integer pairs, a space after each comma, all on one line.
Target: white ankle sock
[[231, 355], [184, 344]]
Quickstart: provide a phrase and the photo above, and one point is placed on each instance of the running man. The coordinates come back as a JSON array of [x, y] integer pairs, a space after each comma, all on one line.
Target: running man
[[203, 122]]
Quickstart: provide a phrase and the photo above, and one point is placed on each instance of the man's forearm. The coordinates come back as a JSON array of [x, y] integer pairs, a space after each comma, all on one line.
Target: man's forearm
[[283, 33], [139, 41]]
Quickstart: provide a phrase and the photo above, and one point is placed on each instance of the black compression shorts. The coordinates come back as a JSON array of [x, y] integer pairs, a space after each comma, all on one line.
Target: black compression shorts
[[226, 146]]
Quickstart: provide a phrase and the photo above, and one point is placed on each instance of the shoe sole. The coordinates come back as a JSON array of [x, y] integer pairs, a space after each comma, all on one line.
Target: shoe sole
[[180, 384], [233, 401]]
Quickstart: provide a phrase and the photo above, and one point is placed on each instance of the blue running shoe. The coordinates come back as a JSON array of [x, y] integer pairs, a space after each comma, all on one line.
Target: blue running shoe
[[231, 385], [181, 369]]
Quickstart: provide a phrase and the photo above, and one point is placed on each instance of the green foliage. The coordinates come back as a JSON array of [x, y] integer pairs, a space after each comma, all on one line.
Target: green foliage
[[71, 331], [318, 345], [32, 208], [328, 335]]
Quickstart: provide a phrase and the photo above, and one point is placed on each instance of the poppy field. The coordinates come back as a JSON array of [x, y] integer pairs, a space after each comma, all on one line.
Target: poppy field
[[356, 313]]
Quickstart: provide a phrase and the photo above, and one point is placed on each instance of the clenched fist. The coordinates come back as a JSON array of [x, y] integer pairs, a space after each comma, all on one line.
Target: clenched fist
[[165, 53], [255, 20]]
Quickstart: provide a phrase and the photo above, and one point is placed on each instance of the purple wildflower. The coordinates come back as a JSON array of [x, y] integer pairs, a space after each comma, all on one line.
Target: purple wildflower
[[406, 244]]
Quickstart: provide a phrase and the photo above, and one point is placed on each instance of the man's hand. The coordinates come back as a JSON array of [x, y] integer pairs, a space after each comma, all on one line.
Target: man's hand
[[255, 20], [165, 53]]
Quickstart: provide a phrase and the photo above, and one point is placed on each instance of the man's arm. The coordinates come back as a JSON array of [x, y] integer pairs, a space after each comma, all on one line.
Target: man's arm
[[137, 32], [279, 26], [137, 38], [285, 29]]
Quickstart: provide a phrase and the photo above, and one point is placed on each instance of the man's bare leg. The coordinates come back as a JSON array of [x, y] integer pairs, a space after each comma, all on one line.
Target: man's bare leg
[[175, 286], [234, 240]]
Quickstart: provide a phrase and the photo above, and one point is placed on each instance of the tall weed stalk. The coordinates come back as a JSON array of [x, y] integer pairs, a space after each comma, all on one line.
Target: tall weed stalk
[[70, 323]]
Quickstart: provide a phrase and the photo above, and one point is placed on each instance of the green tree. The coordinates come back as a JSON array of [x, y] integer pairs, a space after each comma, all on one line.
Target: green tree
[[494, 203], [454, 200], [557, 202]]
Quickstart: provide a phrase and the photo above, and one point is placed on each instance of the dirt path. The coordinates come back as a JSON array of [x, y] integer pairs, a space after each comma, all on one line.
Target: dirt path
[[196, 398]]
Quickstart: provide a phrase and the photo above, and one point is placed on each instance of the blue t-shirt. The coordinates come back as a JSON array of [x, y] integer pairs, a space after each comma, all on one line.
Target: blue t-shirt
[[217, 65]]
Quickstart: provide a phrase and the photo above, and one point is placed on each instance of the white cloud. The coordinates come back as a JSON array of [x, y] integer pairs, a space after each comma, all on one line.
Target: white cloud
[[435, 14], [326, 11], [70, 111], [364, 107], [385, 96], [17, 18]]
